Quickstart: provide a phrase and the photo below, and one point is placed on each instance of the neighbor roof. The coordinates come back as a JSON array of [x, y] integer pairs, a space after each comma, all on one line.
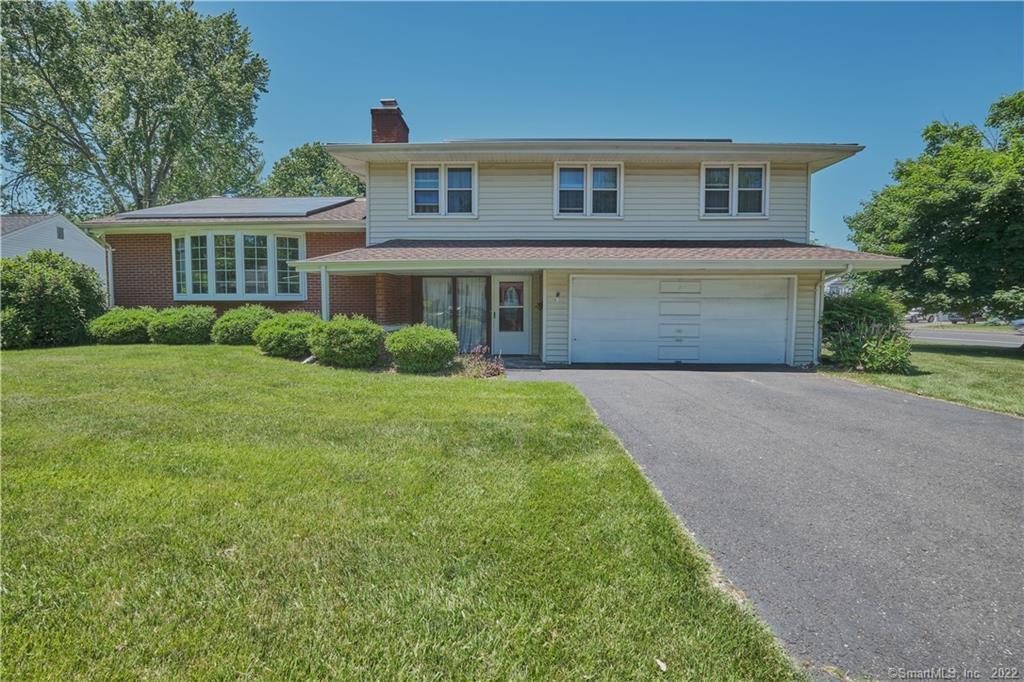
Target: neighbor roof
[[247, 210], [408, 254], [19, 221]]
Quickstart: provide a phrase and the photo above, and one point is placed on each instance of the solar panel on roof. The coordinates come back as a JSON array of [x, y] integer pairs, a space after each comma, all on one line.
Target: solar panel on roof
[[236, 207]]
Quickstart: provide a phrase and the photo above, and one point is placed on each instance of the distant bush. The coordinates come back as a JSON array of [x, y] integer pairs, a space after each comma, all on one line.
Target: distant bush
[[122, 325], [421, 349], [185, 325], [285, 335], [14, 333], [50, 297], [347, 341], [864, 330], [235, 327]]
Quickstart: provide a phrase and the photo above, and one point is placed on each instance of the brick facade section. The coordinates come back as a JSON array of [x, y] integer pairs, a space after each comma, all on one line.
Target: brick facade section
[[394, 299], [143, 275]]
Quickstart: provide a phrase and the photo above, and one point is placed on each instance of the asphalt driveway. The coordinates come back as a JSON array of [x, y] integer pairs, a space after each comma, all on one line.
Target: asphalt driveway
[[873, 530]]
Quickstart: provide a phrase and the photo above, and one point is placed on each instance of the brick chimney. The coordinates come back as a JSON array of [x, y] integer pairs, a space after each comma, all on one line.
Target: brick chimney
[[387, 123]]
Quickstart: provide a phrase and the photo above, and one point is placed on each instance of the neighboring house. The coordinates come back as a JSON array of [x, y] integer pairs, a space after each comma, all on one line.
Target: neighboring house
[[838, 286], [22, 232], [605, 250]]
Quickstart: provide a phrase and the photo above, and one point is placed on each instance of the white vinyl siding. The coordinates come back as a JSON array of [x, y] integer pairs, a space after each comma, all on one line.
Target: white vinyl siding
[[806, 326], [557, 328], [514, 201]]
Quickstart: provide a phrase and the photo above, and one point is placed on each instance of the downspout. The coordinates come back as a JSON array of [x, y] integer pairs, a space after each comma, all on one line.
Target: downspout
[[325, 294]]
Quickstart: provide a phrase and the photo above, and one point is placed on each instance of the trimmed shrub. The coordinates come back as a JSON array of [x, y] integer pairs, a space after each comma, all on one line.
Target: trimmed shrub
[[122, 325], [284, 336], [14, 333], [346, 341], [185, 325], [421, 349], [51, 296], [235, 327]]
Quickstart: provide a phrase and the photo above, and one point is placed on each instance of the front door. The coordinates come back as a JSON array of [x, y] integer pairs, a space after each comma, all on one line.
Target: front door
[[510, 315]]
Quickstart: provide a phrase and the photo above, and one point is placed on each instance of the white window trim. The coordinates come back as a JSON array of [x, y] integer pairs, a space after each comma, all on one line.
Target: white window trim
[[211, 267], [734, 167], [588, 203], [442, 189]]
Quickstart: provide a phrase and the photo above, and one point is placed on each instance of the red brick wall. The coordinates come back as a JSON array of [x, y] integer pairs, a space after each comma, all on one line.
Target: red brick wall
[[394, 299], [143, 275]]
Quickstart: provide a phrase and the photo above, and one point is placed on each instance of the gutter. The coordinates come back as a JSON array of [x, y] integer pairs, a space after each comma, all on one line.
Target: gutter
[[363, 267]]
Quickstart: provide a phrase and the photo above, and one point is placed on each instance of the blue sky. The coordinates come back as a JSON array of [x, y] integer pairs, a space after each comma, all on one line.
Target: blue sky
[[871, 73]]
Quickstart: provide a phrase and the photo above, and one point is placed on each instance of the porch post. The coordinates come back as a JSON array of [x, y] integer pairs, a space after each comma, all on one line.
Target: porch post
[[325, 293]]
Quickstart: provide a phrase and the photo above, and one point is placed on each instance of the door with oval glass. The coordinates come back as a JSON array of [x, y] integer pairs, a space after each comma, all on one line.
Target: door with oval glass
[[510, 315]]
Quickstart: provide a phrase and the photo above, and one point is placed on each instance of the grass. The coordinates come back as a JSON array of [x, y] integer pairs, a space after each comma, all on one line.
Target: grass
[[205, 512], [988, 378], [980, 327]]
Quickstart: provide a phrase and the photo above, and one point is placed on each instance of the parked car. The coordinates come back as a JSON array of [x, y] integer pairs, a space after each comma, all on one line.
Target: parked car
[[1018, 325], [919, 315], [970, 319]]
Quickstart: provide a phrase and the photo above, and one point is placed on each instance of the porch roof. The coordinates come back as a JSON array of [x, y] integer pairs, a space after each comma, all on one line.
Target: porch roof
[[415, 255]]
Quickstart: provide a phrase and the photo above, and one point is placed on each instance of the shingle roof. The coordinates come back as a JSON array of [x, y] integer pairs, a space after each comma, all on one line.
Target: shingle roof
[[19, 221], [351, 209], [578, 250]]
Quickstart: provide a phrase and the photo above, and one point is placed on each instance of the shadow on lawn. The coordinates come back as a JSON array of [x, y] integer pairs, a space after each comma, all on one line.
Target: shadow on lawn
[[930, 348]]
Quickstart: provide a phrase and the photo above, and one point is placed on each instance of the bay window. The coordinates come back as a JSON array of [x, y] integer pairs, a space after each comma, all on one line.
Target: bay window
[[237, 266], [443, 189], [734, 190], [588, 189]]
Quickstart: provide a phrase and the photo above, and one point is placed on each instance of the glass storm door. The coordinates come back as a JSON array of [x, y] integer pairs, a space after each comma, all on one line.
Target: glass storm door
[[510, 317]]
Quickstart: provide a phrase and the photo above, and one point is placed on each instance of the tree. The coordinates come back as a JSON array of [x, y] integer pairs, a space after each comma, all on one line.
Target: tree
[[126, 105], [309, 171], [957, 210]]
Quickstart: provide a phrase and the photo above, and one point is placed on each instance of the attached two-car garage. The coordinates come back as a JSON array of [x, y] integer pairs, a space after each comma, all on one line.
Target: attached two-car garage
[[680, 319]]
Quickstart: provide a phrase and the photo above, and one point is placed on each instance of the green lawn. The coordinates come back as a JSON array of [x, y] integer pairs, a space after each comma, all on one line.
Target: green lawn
[[207, 512], [989, 378], [964, 327]]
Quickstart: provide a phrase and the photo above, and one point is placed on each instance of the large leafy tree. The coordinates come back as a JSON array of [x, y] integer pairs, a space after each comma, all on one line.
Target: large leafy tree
[[309, 171], [957, 210], [125, 105]]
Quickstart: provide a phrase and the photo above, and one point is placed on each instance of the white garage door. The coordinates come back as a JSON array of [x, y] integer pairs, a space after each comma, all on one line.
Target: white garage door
[[649, 319]]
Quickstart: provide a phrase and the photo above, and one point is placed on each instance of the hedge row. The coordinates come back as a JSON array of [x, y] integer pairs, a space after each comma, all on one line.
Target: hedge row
[[342, 342]]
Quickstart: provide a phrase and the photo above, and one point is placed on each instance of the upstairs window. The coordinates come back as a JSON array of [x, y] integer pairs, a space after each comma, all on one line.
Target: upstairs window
[[571, 190], [60, 232], [237, 266], [427, 192], [588, 190], [443, 190], [734, 190]]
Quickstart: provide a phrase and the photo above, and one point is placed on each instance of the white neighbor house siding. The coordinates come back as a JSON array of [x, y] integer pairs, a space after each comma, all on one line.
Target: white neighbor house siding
[[556, 315], [516, 201], [76, 245]]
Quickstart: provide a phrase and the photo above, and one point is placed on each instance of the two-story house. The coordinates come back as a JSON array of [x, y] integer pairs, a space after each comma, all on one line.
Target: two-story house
[[573, 250]]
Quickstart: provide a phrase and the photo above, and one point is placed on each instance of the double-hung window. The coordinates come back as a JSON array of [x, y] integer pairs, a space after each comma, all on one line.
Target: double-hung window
[[443, 190], [237, 266], [588, 189], [734, 190]]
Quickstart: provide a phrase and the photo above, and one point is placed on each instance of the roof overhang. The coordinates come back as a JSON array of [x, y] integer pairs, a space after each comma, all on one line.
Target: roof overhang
[[166, 226], [357, 157], [625, 264]]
